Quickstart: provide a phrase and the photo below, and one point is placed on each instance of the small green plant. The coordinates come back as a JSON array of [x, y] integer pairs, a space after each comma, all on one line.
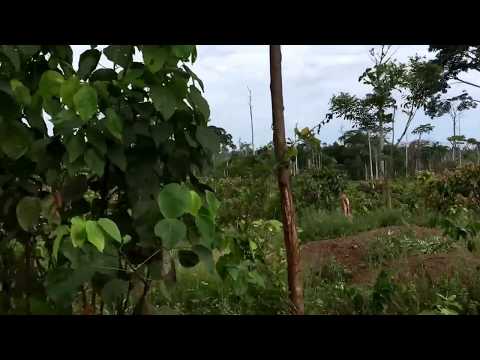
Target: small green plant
[[387, 248]]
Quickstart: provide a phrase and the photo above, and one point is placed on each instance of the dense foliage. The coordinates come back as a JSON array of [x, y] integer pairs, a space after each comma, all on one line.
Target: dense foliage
[[103, 197]]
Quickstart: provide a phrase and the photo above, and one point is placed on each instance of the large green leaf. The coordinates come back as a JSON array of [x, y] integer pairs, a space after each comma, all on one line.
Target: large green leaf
[[132, 74], [213, 203], [68, 89], [94, 162], [155, 57], [103, 75], [205, 226], [114, 123], [119, 54], [171, 231], [21, 92], [78, 232], [50, 83], [110, 228], [88, 62], [60, 233], [195, 203], [199, 102], [207, 137], [86, 102], [114, 291], [75, 147], [173, 200], [15, 142], [182, 51], [164, 101], [28, 212], [95, 235]]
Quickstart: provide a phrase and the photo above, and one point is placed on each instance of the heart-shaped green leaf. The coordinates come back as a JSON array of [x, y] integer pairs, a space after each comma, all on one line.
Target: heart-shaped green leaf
[[110, 228], [68, 89], [28, 212], [50, 83], [94, 162], [78, 232], [195, 203], [114, 123], [88, 62], [155, 57], [85, 101], [164, 100], [21, 92], [95, 235], [171, 231], [173, 200]]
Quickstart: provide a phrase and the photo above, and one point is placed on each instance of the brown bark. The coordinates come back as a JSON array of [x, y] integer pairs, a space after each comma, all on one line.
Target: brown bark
[[295, 284]]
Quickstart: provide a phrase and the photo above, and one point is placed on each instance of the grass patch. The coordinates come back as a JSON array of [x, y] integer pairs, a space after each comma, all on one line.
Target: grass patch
[[318, 224], [384, 249]]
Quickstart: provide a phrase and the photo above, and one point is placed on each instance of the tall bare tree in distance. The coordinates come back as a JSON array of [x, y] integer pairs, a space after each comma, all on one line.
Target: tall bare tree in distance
[[251, 115], [290, 234]]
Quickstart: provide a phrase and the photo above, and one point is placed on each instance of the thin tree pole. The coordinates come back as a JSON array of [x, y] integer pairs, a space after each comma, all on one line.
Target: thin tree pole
[[370, 155], [460, 147], [406, 155], [295, 284], [251, 115], [296, 153]]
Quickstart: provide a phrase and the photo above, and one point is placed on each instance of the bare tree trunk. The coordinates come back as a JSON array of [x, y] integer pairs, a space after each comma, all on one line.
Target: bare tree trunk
[[454, 145], [370, 155], [295, 284], [392, 165], [381, 160], [406, 156], [251, 116]]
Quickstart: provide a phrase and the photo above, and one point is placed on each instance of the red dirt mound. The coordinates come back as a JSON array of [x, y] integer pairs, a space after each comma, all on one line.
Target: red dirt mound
[[351, 252]]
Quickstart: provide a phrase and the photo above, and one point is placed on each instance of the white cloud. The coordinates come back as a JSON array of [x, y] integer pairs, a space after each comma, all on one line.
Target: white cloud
[[311, 75]]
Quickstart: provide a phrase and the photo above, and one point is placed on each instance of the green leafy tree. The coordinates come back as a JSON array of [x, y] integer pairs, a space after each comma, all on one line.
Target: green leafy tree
[[455, 60], [420, 81], [454, 107], [420, 131], [97, 206]]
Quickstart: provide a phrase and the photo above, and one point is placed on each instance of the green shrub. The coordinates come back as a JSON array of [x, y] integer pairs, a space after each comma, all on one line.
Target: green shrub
[[318, 188], [455, 189]]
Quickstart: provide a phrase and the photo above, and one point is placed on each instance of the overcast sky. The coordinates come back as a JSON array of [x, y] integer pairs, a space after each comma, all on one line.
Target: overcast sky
[[311, 75]]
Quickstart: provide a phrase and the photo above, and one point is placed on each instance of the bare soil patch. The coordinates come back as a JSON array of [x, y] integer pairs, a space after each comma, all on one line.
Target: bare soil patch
[[351, 252]]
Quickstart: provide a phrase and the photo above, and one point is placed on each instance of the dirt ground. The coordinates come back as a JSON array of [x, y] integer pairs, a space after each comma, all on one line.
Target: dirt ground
[[351, 252]]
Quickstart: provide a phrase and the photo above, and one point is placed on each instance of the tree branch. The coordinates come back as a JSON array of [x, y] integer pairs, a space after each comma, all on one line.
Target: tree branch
[[466, 82]]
